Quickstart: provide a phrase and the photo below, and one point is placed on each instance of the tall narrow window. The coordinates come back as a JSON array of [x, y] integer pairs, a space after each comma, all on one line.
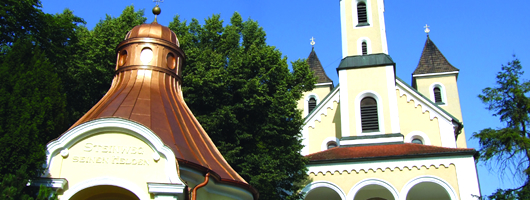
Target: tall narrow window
[[437, 95], [369, 117], [364, 48], [361, 14], [312, 104]]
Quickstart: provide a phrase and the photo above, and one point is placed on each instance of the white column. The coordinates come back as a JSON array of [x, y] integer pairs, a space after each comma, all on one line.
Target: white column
[[447, 134], [466, 174], [344, 110]]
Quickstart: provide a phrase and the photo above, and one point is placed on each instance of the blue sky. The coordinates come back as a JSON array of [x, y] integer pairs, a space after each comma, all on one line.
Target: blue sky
[[475, 36]]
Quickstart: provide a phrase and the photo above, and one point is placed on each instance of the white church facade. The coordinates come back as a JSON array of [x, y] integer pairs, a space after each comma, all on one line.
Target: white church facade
[[373, 136]]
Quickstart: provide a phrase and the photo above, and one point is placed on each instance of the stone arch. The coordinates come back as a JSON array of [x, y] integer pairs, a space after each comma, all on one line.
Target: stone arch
[[105, 181], [319, 189], [435, 186], [385, 190], [72, 136]]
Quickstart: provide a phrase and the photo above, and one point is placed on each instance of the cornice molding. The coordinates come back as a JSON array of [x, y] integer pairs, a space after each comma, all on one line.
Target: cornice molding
[[384, 165]]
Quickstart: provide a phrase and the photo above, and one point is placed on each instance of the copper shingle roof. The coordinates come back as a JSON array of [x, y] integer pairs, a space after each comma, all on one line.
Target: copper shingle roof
[[433, 61], [383, 152], [316, 66], [151, 95]]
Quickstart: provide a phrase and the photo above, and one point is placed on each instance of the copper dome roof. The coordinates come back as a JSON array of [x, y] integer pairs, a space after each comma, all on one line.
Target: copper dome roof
[[153, 30], [149, 92]]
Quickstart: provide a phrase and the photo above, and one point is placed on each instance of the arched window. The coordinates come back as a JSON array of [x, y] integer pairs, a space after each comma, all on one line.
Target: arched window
[[332, 144], [364, 48], [369, 117], [311, 104], [416, 141], [437, 95], [362, 17]]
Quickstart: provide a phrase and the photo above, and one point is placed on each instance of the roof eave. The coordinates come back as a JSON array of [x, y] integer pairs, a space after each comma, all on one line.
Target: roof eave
[[441, 154]]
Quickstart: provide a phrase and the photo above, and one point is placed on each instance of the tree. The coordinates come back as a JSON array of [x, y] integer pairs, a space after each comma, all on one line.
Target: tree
[[93, 63], [508, 146], [31, 110], [244, 95], [20, 18], [35, 48]]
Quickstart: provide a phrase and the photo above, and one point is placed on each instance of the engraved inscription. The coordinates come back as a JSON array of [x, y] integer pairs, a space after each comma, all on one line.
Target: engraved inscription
[[111, 154]]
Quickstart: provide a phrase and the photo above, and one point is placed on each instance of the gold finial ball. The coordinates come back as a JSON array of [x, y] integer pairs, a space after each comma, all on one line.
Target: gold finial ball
[[156, 10]]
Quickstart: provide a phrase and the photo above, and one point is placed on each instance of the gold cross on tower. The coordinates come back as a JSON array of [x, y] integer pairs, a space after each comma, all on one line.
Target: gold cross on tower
[[158, 2], [312, 41], [427, 30]]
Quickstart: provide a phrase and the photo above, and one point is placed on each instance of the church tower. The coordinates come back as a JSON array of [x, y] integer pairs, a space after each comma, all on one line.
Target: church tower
[[311, 99], [366, 72], [363, 27], [436, 79]]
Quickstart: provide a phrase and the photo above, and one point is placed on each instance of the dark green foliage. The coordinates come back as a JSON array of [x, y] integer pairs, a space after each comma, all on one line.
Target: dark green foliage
[[32, 99], [14, 187], [240, 89], [31, 110], [59, 61], [94, 60], [244, 95], [19, 19], [508, 146]]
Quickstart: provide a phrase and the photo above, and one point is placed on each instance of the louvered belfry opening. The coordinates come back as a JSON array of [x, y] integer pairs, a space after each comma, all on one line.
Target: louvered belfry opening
[[361, 13], [364, 48], [369, 117], [312, 104], [437, 95]]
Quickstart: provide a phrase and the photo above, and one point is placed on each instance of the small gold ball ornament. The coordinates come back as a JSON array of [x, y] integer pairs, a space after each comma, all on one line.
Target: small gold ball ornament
[[156, 10]]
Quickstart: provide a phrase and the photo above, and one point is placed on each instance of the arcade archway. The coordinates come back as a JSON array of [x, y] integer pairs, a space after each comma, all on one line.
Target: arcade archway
[[428, 189]]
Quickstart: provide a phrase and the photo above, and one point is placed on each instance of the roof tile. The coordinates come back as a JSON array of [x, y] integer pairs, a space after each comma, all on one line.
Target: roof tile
[[382, 151], [433, 61], [316, 66]]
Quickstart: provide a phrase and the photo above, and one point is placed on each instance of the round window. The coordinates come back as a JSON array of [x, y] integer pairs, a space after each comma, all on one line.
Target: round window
[[171, 62], [332, 145], [146, 56], [122, 58], [416, 141]]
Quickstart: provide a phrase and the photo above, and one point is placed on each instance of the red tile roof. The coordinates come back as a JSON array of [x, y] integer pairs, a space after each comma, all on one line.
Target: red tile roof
[[384, 151]]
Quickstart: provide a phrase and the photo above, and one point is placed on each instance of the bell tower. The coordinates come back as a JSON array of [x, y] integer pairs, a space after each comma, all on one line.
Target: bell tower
[[436, 79], [363, 27], [366, 73]]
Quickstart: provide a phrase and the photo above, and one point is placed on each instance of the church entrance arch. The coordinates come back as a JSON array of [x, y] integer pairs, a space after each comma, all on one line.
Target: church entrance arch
[[104, 192], [103, 188]]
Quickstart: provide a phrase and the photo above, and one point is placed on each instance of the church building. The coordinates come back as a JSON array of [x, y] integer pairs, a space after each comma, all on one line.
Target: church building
[[375, 137]]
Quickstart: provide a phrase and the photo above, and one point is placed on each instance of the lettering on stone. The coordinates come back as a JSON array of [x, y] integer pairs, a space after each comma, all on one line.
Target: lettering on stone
[[111, 154]]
